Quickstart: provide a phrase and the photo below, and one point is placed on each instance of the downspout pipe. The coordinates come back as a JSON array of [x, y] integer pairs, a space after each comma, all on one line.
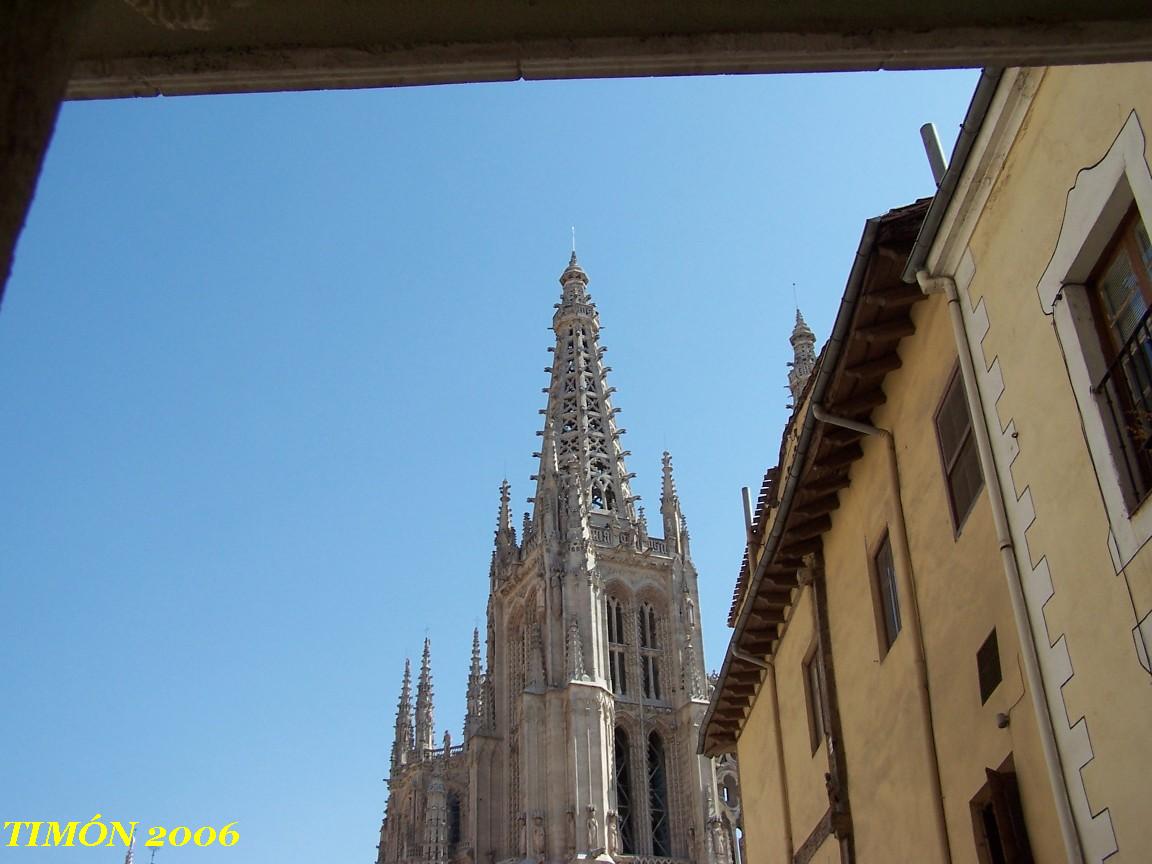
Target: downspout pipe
[[1069, 832], [899, 533]]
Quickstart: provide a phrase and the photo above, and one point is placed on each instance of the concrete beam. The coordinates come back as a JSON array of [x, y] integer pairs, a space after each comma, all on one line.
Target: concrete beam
[[230, 46]]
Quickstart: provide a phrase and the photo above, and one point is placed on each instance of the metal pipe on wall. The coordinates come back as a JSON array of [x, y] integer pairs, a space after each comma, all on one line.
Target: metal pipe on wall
[[908, 587], [946, 285]]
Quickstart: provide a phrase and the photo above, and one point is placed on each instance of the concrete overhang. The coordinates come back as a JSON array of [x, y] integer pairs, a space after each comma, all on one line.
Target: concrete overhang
[[173, 47]]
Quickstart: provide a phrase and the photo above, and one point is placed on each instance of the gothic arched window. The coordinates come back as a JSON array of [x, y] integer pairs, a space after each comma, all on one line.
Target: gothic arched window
[[658, 797], [623, 784], [649, 652], [617, 674]]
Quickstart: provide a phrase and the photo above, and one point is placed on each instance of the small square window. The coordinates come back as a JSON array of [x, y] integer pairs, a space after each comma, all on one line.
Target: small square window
[[988, 666], [958, 451], [886, 595]]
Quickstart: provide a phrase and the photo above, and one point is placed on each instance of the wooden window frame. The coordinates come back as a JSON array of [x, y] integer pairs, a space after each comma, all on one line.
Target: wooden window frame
[[814, 696], [884, 639], [948, 463], [1136, 489]]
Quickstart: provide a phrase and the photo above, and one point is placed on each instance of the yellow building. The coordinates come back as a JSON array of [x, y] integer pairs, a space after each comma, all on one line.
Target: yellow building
[[939, 647]]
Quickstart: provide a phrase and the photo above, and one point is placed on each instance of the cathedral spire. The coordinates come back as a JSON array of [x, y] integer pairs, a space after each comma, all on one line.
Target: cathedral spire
[[580, 419], [804, 357], [424, 718], [402, 741]]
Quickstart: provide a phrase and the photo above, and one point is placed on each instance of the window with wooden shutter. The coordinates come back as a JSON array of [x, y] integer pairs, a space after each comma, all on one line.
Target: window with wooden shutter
[[958, 451], [998, 819]]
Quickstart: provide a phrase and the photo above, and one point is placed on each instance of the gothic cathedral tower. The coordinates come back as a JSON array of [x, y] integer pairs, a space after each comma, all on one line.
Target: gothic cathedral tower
[[580, 738]]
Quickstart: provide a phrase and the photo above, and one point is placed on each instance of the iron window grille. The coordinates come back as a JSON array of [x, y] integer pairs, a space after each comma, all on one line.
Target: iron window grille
[[1121, 293]]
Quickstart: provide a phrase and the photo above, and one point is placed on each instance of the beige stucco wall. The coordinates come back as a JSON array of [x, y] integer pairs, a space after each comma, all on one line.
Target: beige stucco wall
[[1073, 120], [962, 595], [760, 792]]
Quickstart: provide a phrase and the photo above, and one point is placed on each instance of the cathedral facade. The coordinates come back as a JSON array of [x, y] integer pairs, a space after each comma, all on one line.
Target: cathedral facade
[[583, 716]]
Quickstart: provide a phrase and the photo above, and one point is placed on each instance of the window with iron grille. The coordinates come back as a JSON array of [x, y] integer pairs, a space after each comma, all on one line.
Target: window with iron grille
[[958, 451], [1120, 291]]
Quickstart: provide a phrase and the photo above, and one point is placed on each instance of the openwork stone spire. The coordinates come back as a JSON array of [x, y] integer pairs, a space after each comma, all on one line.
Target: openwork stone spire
[[424, 717], [581, 437], [804, 357], [402, 742]]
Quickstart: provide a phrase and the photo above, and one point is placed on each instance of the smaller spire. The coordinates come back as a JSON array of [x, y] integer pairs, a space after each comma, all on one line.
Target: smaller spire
[[670, 506], [668, 484], [804, 357], [424, 709], [402, 741], [504, 520], [473, 711], [130, 855], [505, 533]]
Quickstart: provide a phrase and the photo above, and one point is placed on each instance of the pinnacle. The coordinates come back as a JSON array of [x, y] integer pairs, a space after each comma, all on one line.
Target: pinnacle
[[504, 521], [668, 488]]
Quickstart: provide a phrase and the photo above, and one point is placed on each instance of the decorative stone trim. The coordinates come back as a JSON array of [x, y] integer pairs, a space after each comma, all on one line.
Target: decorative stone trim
[[1094, 826]]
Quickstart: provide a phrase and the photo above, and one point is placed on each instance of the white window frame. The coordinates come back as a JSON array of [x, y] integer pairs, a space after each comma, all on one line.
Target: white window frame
[[1095, 207]]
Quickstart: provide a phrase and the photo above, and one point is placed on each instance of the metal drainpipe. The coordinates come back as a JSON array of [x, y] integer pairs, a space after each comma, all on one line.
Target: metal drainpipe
[[781, 768], [908, 587], [1068, 829]]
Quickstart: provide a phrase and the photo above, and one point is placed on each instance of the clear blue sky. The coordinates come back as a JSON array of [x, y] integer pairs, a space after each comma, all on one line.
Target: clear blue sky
[[264, 361]]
